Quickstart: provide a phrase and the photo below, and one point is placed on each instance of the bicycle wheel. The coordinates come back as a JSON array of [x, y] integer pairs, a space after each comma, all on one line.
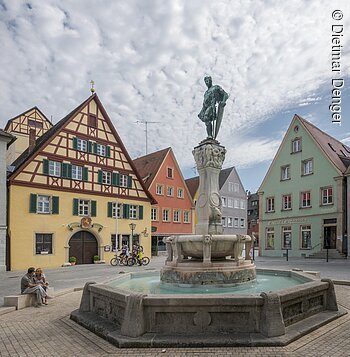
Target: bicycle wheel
[[131, 261], [145, 261], [123, 261], [114, 261]]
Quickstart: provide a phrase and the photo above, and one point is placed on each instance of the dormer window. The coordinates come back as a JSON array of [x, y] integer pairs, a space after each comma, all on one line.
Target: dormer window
[[296, 145]]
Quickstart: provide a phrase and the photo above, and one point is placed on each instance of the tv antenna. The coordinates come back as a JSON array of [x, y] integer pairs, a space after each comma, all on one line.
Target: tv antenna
[[146, 122]]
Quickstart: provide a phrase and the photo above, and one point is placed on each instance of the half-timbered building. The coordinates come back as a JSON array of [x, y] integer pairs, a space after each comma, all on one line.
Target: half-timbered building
[[76, 192]]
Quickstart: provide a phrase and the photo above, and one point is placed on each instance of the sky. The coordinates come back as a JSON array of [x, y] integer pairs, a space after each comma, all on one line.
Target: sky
[[148, 59]]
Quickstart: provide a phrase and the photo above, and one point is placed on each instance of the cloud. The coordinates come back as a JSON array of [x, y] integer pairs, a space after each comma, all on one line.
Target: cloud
[[148, 60]]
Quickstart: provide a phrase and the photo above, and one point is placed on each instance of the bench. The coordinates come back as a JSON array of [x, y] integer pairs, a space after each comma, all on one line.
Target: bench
[[23, 300]]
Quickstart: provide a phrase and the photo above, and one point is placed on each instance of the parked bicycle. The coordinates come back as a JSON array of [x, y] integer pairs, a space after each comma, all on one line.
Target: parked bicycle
[[134, 260], [120, 260]]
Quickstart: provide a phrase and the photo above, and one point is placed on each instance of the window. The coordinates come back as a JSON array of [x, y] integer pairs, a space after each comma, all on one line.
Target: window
[[170, 191], [92, 121], [230, 186], [160, 189], [35, 124], [187, 217], [296, 145], [270, 238], [154, 214], [166, 214], [242, 204], [305, 199], [229, 222], [81, 145], [254, 203], [43, 203], [286, 202], [115, 242], [236, 203], [54, 168], [133, 211], [230, 202], [43, 243], [327, 195], [223, 201], [77, 172], [123, 180], [84, 207], [235, 222], [223, 220], [242, 222], [287, 237], [177, 216], [170, 172], [180, 193], [236, 187], [285, 172], [106, 177], [119, 215], [101, 149], [270, 204], [305, 232], [306, 167]]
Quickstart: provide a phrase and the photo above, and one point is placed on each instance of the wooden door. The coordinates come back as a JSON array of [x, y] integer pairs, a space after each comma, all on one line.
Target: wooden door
[[83, 246]]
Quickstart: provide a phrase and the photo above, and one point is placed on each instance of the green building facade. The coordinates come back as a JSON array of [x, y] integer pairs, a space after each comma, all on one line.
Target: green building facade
[[302, 199]]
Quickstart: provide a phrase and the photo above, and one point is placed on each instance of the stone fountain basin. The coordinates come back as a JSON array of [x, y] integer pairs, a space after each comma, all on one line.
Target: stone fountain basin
[[129, 319]]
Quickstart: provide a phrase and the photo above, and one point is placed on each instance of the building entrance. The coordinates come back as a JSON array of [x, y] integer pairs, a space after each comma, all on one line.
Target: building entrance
[[330, 237], [83, 245]]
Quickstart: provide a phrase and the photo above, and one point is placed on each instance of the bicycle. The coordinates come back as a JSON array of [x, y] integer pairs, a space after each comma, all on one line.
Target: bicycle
[[120, 260], [134, 260]]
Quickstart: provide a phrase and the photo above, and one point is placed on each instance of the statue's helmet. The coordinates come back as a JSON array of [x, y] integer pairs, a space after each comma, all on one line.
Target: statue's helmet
[[207, 78]]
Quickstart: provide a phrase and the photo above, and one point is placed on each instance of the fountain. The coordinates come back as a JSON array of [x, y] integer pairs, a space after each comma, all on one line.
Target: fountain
[[193, 301]]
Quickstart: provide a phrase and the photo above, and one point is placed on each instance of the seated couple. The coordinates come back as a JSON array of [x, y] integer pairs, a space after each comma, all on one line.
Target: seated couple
[[34, 282]]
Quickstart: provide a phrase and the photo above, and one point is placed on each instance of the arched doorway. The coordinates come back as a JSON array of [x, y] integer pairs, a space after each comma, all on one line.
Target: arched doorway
[[83, 245]]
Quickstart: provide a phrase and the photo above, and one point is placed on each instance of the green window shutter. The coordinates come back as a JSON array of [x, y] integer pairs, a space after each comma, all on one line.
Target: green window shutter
[[64, 170], [69, 171], [90, 146], [32, 203], [75, 206], [126, 211], [45, 167], [129, 181], [108, 151], [93, 208], [109, 210], [114, 179], [55, 205], [99, 179], [75, 143], [94, 145], [85, 174], [140, 212]]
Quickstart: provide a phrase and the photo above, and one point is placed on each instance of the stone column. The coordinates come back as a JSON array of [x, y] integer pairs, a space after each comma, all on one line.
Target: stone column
[[209, 156]]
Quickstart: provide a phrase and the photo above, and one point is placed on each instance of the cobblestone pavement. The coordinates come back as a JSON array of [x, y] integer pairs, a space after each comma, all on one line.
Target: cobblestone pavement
[[48, 331]]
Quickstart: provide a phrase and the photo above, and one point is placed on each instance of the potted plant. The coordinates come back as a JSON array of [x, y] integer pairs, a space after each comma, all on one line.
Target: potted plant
[[72, 260], [96, 259]]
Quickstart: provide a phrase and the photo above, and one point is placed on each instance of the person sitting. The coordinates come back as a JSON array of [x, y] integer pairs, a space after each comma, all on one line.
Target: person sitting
[[28, 286], [40, 278]]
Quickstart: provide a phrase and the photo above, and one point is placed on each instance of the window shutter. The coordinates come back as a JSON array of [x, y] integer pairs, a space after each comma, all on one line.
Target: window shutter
[[140, 212], [90, 146], [109, 210], [129, 181], [99, 179], [65, 170], [75, 143], [32, 202], [108, 151], [55, 205], [126, 211], [94, 145], [45, 167], [85, 174], [75, 206], [114, 179], [93, 208], [69, 170]]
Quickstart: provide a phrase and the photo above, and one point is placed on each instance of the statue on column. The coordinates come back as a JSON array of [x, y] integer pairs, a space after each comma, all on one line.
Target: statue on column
[[213, 108]]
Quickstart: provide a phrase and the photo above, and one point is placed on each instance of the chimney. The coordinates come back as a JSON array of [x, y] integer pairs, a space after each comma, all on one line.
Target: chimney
[[32, 141]]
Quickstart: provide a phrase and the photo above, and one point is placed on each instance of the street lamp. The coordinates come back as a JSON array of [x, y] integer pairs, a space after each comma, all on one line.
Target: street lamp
[[132, 227]]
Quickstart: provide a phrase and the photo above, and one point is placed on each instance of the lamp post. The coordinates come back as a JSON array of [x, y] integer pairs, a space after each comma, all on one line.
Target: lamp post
[[132, 227]]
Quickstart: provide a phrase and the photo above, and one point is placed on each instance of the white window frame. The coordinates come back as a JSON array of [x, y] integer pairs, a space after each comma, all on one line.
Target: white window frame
[[285, 172], [230, 222], [54, 168], [187, 217], [230, 202], [307, 167], [43, 204], [307, 230], [296, 145], [171, 170], [133, 211], [242, 205], [235, 222], [154, 214], [308, 199], [180, 192], [242, 222], [177, 216], [166, 215], [77, 172], [286, 202], [327, 196], [223, 201], [84, 207], [160, 189], [170, 191], [236, 203], [286, 231], [224, 221], [269, 231], [106, 177], [270, 204], [236, 187], [123, 180], [101, 150], [119, 211], [81, 144]]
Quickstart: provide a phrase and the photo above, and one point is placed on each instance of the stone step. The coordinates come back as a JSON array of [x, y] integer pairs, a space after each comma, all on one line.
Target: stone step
[[332, 254], [7, 309]]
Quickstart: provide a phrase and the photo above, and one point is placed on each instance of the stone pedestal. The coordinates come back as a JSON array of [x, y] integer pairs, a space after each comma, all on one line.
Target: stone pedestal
[[209, 156]]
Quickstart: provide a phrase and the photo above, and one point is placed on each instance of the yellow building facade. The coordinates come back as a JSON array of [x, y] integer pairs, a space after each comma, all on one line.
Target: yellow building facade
[[66, 191]]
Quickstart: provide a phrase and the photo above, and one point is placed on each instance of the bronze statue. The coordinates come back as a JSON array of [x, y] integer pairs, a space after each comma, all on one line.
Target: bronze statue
[[213, 108]]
